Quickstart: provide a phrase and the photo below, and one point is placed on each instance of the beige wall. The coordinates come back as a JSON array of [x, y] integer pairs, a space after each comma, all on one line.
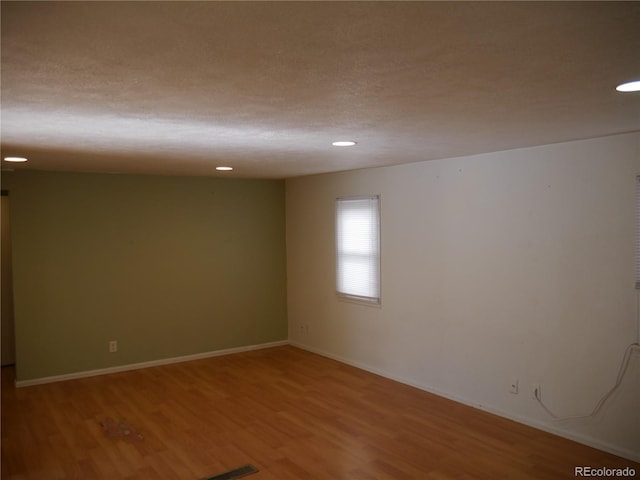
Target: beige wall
[[167, 266], [510, 265]]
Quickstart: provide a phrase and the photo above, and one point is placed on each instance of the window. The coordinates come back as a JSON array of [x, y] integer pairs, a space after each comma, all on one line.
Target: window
[[358, 248]]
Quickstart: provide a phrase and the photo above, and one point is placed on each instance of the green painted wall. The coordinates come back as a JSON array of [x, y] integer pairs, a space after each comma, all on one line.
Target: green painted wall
[[167, 266]]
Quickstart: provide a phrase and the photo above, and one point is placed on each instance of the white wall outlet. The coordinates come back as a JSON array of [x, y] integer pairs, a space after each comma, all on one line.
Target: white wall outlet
[[513, 387], [113, 346]]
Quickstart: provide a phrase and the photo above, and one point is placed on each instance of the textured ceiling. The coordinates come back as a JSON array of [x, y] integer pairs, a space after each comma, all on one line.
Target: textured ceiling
[[177, 88]]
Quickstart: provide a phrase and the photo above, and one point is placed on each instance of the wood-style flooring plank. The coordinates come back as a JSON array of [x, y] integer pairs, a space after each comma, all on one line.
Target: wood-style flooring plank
[[293, 414]]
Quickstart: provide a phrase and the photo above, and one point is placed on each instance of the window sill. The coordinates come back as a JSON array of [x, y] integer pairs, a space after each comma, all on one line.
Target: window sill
[[369, 302]]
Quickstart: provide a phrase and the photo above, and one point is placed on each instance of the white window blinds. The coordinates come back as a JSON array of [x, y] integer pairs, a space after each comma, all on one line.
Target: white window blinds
[[358, 248]]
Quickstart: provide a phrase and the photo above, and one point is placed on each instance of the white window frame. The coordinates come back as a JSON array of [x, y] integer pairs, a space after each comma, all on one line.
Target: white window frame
[[370, 293]]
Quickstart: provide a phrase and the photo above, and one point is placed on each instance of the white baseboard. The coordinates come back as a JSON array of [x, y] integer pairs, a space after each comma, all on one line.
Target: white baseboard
[[152, 363], [628, 454]]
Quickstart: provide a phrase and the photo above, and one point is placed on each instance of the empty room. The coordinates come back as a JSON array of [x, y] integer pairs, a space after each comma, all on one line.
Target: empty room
[[320, 240]]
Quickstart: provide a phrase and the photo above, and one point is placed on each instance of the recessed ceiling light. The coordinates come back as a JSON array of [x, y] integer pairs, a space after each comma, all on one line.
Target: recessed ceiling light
[[224, 169], [15, 159], [344, 143], [629, 87]]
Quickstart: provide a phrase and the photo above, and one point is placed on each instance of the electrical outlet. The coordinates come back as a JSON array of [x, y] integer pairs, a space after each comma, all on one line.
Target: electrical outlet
[[113, 346], [513, 387]]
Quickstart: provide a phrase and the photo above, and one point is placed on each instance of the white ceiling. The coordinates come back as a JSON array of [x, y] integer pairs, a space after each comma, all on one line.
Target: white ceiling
[[177, 88]]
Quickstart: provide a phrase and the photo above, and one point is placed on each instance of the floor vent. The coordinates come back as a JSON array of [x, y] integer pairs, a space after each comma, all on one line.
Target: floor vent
[[235, 473]]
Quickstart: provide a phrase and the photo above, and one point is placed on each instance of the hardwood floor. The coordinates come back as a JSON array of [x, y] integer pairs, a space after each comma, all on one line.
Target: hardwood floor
[[292, 414]]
